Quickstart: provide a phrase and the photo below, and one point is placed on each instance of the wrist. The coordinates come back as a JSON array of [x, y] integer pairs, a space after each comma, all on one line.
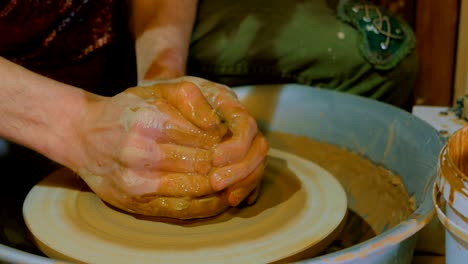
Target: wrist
[[63, 142], [81, 111], [161, 53], [162, 30], [168, 65]]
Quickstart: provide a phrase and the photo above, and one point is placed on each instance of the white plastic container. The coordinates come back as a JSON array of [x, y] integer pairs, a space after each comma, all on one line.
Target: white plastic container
[[450, 196]]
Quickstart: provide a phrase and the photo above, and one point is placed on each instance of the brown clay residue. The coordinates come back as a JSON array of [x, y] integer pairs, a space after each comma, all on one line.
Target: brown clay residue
[[453, 164], [375, 193], [458, 150]]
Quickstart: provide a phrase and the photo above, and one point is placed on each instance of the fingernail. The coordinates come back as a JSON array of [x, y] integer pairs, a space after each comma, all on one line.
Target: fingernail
[[220, 180]]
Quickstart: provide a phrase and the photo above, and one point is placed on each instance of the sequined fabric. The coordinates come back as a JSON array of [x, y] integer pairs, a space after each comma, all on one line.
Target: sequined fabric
[[48, 32], [84, 43]]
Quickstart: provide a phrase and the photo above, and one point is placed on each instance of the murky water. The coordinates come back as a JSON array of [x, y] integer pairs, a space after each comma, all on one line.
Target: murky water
[[355, 231]]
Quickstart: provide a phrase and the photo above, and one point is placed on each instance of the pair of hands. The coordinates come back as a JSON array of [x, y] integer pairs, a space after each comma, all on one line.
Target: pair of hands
[[187, 137]]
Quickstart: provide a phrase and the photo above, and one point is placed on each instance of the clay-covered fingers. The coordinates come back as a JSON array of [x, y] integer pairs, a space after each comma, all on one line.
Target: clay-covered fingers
[[190, 101], [167, 184], [165, 124], [243, 128], [246, 188], [143, 153], [242, 125], [184, 185], [222, 177], [187, 98]]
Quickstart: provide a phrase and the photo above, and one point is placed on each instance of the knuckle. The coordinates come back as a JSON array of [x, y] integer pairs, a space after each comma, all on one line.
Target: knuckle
[[188, 87]]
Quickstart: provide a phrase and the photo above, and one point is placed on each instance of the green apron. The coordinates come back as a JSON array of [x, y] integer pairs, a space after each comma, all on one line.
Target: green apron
[[311, 42]]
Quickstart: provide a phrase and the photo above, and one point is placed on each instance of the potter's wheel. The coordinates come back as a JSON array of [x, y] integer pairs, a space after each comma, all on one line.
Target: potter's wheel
[[301, 205]]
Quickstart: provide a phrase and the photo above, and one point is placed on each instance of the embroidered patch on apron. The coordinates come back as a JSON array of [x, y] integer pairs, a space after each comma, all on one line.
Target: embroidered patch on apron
[[386, 39]]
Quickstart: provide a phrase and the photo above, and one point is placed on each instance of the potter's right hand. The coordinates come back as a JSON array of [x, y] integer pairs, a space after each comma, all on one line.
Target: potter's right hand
[[240, 159]]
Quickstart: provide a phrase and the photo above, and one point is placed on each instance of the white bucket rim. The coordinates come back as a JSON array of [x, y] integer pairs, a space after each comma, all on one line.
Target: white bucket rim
[[450, 225]]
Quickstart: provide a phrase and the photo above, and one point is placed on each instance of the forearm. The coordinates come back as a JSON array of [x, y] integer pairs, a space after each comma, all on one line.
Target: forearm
[[162, 31], [38, 112]]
